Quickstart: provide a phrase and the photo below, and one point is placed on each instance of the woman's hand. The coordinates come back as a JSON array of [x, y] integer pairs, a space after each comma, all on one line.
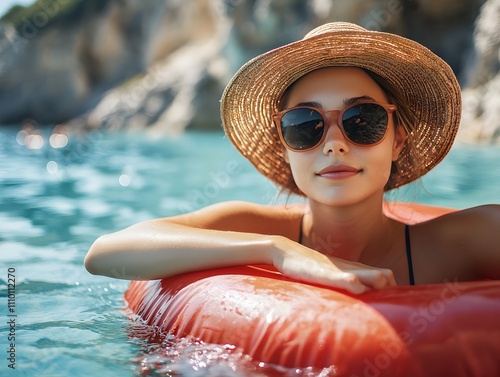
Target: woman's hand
[[302, 263]]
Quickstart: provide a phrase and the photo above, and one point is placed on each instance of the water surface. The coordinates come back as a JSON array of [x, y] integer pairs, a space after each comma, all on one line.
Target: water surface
[[56, 199]]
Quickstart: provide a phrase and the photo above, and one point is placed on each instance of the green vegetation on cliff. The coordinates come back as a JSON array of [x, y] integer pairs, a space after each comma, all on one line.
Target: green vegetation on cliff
[[44, 14]]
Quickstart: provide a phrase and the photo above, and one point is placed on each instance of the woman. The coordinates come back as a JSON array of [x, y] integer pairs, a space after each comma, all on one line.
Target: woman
[[340, 117]]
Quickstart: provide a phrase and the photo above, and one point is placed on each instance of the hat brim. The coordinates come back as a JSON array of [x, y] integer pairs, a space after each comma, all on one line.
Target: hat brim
[[424, 80]]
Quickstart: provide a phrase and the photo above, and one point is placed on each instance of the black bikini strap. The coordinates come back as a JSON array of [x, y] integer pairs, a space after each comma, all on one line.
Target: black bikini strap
[[408, 254]]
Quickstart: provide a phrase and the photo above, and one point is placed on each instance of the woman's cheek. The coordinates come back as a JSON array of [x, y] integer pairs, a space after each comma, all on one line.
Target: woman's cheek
[[302, 169]]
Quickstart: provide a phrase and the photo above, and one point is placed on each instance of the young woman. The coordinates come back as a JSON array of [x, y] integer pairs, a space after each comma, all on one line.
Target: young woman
[[340, 117]]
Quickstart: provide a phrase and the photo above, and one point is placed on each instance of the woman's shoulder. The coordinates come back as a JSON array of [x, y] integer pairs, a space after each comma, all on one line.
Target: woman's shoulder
[[247, 217], [470, 224], [474, 218], [468, 237], [428, 216], [242, 208]]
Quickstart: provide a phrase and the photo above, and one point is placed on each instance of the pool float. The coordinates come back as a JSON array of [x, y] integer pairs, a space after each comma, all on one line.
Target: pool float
[[449, 329]]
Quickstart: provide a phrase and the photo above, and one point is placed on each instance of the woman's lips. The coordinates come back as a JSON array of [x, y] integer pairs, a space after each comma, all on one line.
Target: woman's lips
[[338, 171]]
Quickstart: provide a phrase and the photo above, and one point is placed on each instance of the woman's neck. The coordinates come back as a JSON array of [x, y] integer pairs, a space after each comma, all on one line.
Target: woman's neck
[[360, 233]]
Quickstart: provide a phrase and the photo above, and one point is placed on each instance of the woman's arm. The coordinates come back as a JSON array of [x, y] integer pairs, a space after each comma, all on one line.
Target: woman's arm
[[222, 235], [160, 248], [253, 235]]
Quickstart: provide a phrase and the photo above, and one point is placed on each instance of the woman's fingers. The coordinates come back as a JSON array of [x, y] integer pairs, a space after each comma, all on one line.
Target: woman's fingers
[[351, 276], [359, 280], [373, 277], [351, 283], [327, 274], [376, 278]]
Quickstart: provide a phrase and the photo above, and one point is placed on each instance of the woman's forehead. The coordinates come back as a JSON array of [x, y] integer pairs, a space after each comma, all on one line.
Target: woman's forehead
[[332, 86]]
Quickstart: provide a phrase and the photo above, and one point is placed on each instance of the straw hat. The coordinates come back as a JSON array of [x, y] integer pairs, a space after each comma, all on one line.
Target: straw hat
[[426, 84]]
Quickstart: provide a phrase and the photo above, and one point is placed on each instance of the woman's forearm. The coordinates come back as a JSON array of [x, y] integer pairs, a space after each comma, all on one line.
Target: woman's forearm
[[157, 249]]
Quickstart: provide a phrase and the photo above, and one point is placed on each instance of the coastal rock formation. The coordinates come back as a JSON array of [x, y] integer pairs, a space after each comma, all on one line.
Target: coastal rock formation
[[58, 59], [481, 94], [162, 64]]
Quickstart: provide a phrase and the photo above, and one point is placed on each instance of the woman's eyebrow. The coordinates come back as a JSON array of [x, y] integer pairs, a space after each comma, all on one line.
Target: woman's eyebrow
[[346, 101], [314, 104], [353, 100]]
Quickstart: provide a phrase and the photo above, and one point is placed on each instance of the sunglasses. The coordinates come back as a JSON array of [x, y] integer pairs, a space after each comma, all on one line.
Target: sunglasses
[[303, 128]]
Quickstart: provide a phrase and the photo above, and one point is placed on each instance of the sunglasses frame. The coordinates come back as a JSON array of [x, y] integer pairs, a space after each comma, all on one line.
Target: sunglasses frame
[[328, 116]]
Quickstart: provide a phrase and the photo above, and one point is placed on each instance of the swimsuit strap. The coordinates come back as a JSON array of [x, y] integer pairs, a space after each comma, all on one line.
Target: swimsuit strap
[[408, 254]]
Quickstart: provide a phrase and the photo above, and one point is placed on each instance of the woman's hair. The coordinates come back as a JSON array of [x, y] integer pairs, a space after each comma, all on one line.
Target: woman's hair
[[402, 117]]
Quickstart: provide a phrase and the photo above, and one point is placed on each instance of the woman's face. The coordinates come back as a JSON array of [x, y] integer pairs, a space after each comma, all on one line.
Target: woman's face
[[338, 172]]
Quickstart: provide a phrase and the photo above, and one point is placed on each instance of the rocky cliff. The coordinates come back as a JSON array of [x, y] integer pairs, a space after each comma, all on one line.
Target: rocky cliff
[[162, 64]]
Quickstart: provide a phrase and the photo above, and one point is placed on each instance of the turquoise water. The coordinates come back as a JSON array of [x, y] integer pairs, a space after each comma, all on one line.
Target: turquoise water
[[56, 199]]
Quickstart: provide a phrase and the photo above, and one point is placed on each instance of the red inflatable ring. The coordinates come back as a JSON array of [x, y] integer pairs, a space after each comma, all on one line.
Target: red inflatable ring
[[450, 329]]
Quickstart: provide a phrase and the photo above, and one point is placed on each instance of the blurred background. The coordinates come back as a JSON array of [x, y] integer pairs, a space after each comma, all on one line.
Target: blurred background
[[161, 65], [109, 115]]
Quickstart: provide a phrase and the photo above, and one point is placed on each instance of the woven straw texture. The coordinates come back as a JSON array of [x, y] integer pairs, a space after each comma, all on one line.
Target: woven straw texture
[[425, 82]]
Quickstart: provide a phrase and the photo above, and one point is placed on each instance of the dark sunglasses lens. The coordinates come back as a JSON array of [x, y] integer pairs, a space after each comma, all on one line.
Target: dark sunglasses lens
[[302, 128], [365, 123]]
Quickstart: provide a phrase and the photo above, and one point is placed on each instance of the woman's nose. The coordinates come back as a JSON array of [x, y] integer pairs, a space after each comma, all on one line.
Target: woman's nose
[[335, 141]]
